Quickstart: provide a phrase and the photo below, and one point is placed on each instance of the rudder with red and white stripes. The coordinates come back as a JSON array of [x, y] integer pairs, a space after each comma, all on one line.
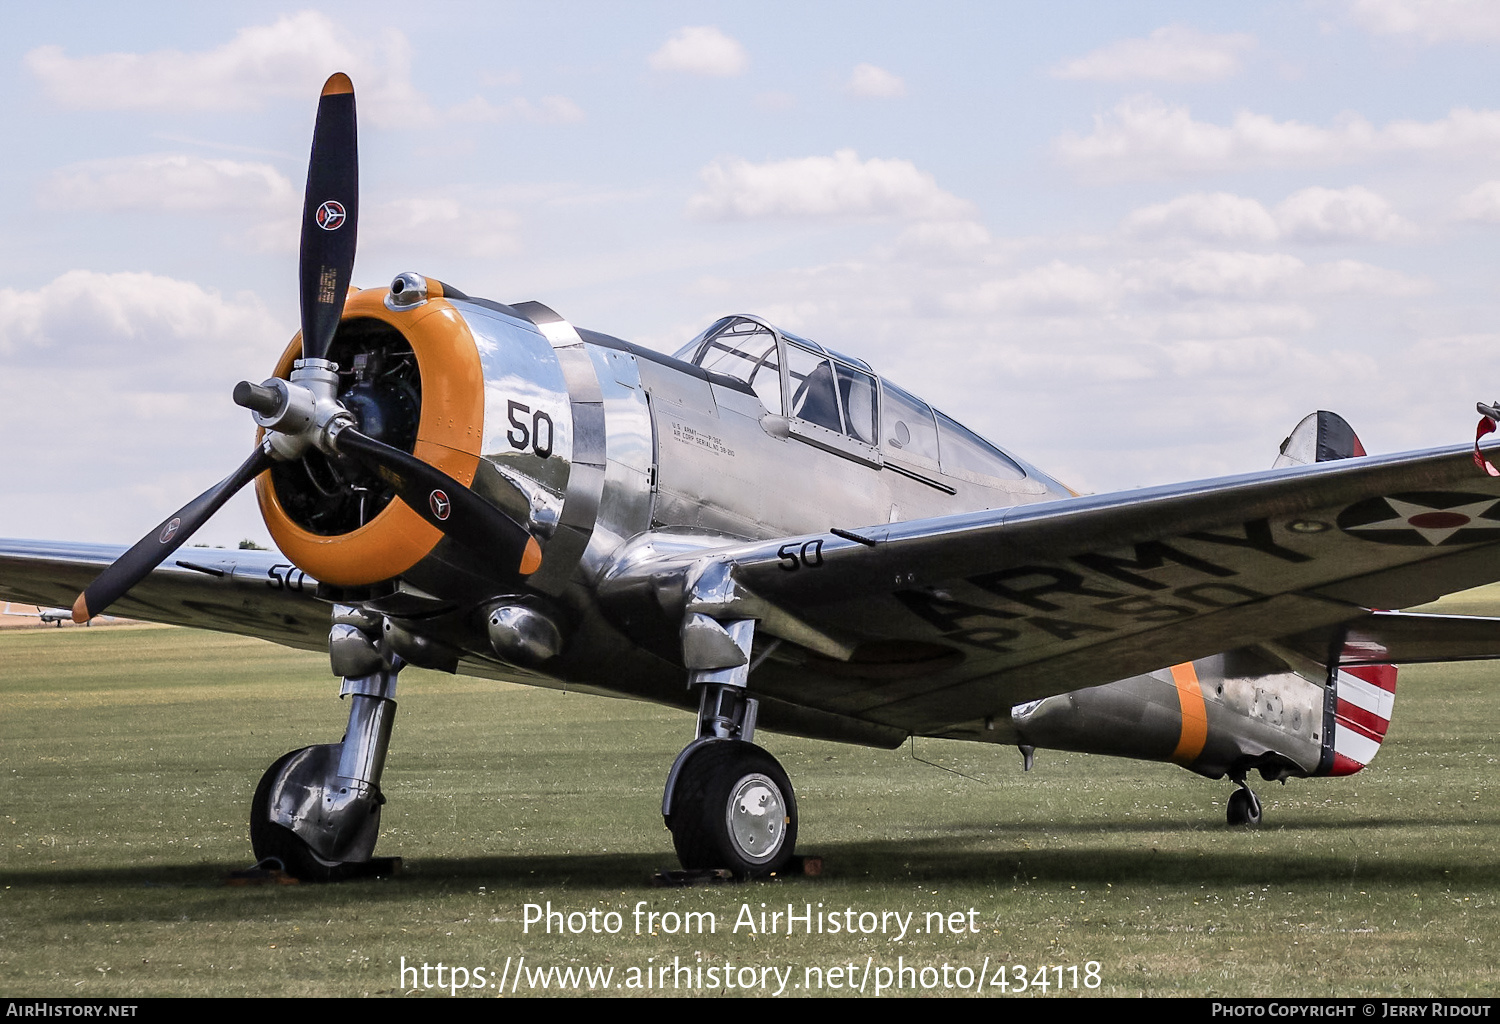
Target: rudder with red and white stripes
[[1358, 715]]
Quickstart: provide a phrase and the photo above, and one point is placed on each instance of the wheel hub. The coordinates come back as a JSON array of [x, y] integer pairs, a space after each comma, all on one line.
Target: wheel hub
[[756, 816]]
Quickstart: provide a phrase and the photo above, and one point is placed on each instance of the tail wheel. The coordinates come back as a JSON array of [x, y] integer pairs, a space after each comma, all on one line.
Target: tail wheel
[[270, 839], [1244, 808], [734, 808]]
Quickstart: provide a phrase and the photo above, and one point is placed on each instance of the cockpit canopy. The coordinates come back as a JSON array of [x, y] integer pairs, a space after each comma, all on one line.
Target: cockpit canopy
[[836, 402]]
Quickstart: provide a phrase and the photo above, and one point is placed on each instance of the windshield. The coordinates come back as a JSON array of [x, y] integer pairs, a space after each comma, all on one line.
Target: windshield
[[743, 349]]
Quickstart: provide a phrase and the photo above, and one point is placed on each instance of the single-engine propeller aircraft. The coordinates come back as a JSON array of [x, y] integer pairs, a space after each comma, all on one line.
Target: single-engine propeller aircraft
[[767, 531], [47, 616]]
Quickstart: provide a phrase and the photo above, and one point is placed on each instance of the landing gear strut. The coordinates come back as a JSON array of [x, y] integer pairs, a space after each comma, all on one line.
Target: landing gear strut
[[317, 809], [728, 803], [1244, 805]]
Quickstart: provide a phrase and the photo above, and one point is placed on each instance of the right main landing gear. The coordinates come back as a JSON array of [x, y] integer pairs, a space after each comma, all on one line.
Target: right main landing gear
[[317, 810], [294, 788], [728, 803]]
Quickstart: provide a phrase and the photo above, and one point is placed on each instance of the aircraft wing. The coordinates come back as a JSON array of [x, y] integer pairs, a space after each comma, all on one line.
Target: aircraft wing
[[256, 593], [936, 625]]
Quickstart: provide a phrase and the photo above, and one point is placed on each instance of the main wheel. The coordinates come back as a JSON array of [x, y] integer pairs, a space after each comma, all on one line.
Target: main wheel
[[1244, 808], [270, 839], [734, 808]]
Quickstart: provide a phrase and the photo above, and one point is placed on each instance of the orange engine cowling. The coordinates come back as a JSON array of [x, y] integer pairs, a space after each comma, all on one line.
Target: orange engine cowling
[[414, 379]]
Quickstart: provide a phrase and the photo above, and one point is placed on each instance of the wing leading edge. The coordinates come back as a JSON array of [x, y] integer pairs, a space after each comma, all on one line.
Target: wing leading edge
[[254, 593]]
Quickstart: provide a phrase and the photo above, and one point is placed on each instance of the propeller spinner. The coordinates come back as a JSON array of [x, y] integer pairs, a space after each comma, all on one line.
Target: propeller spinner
[[304, 414]]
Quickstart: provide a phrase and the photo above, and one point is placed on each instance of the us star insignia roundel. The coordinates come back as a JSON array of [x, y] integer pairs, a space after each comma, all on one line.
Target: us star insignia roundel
[[1424, 518]]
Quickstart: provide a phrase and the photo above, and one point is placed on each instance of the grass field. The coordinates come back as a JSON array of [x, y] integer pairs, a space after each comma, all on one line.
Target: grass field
[[130, 756]]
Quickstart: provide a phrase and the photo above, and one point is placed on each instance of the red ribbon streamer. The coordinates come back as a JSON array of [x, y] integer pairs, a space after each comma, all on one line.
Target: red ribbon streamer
[[1486, 426]]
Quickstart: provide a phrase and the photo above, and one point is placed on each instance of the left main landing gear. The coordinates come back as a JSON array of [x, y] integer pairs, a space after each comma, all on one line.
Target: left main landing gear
[[1244, 805], [733, 808], [728, 803]]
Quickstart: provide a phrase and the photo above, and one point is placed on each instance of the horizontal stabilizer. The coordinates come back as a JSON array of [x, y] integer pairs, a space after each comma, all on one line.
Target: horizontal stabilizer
[[1403, 638]]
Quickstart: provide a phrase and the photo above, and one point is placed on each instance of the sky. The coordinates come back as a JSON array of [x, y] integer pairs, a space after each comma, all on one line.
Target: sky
[[1132, 242]]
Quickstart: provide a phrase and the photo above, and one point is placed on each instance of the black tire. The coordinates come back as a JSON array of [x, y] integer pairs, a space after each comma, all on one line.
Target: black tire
[[1244, 808], [727, 782], [268, 839]]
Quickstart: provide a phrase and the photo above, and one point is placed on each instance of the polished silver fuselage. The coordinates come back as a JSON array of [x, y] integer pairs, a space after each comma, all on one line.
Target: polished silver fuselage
[[615, 453], [644, 441]]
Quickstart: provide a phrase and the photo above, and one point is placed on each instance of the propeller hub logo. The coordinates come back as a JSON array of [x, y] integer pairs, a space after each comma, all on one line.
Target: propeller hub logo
[[331, 215], [440, 505], [170, 530]]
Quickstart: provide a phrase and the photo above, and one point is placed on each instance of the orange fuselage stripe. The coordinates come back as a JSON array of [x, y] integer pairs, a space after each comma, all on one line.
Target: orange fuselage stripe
[[1194, 715]]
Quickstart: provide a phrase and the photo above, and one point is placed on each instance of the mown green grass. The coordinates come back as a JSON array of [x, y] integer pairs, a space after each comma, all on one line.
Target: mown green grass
[[130, 756]]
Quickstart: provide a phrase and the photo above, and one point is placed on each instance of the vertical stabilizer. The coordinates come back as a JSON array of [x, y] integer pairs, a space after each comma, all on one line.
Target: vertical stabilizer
[[1321, 437], [1359, 713]]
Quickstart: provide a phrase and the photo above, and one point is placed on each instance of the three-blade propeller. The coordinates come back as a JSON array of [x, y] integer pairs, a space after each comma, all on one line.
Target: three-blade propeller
[[306, 413]]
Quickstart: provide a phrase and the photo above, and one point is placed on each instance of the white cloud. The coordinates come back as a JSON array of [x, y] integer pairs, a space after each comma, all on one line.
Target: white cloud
[[1252, 276], [288, 58], [1482, 204], [170, 181], [464, 227], [1260, 356], [1174, 53], [141, 324], [936, 238], [1352, 214], [1230, 319], [437, 224], [840, 186], [1217, 274], [701, 50], [120, 386], [1430, 20], [445, 225], [1144, 137], [1209, 217], [1056, 288], [1210, 293], [1353, 277], [870, 82]]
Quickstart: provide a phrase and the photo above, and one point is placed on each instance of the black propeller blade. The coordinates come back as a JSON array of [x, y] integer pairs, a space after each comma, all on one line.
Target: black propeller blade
[[137, 563], [330, 214], [329, 217], [447, 504]]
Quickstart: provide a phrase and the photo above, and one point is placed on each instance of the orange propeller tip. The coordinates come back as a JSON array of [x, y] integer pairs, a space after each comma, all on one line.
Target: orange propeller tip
[[337, 83], [81, 610], [531, 558]]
